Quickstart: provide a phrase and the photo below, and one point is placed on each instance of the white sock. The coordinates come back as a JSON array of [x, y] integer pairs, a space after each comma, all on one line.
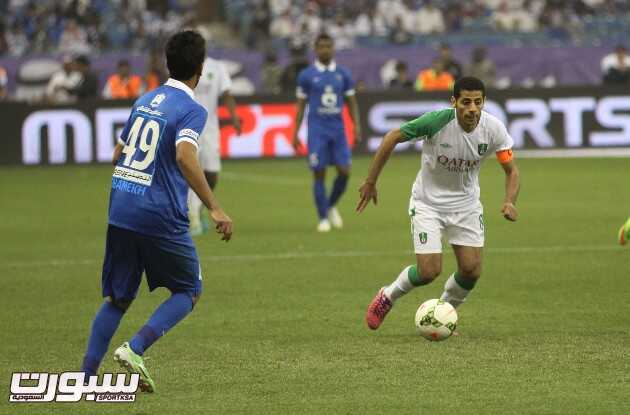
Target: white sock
[[454, 293], [401, 285], [194, 207]]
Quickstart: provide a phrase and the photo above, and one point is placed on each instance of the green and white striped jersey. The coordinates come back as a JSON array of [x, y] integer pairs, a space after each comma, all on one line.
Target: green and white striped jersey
[[449, 176]]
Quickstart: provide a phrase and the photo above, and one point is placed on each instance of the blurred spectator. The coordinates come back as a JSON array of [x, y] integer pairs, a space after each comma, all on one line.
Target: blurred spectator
[[288, 80], [398, 35], [40, 41], [282, 26], [17, 41], [391, 10], [87, 87], [4, 82], [309, 22], [401, 81], [156, 72], [73, 39], [450, 64], [4, 46], [123, 84], [435, 78], [302, 38], [616, 66], [342, 31], [63, 81], [428, 19], [481, 67], [513, 18], [259, 33], [270, 74], [370, 23], [279, 7]]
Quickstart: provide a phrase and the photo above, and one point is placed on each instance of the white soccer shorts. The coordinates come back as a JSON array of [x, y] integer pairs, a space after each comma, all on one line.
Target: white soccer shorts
[[209, 154], [429, 226]]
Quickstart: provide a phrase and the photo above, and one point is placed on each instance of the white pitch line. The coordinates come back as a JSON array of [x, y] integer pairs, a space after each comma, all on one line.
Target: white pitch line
[[327, 254]]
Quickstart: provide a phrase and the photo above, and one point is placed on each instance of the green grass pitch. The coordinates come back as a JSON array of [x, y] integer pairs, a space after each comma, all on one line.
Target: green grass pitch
[[280, 327]]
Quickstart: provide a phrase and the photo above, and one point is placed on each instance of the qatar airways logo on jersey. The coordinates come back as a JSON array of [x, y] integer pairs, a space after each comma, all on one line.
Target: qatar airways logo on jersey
[[457, 165]]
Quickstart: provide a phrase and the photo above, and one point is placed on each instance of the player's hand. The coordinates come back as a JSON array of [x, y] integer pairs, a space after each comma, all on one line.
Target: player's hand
[[367, 192], [223, 224], [236, 123], [509, 211], [296, 144]]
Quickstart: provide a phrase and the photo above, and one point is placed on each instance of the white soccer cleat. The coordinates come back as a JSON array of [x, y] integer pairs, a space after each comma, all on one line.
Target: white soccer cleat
[[323, 226], [335, 218]]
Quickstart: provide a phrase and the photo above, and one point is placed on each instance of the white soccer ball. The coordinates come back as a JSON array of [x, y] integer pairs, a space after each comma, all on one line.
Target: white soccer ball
[[436, 320]]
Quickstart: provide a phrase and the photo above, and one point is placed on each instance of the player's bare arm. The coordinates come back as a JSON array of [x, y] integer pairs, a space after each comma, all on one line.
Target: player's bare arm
[[117, 152], [353, 106], [189, 165], [299, 116], [228, 100], [512, 186], [367, 191]]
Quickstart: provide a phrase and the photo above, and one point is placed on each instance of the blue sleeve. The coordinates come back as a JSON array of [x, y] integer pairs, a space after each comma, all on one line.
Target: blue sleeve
[[348, 83], [303, 85], [191, 125]]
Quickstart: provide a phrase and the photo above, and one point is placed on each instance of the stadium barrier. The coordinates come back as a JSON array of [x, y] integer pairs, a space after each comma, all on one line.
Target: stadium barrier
[[561, 118]]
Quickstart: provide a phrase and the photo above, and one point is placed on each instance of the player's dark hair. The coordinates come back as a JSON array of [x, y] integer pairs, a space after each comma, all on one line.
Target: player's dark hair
[[185, 53], [323, 36], [468, 83]]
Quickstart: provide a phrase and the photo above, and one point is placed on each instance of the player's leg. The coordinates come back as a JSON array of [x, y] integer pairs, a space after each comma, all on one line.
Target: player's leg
[[460, 283], [318, 160], [213, 178], [342, 160], [321, 202], [172, 264], [122, 271], [426, 228], [624, 233], [466, 235]]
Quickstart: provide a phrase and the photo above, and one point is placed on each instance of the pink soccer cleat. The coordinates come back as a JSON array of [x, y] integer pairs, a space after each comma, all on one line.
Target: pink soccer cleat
[[377, 310]]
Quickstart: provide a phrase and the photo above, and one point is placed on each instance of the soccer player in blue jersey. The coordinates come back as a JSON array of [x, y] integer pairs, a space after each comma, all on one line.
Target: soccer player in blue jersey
[[155, 163], [325, 86]]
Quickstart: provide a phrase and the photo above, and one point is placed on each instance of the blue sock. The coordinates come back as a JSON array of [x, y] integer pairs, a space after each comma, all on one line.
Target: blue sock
[[104, 326], [319, 190], [339, 186], [167, 315]]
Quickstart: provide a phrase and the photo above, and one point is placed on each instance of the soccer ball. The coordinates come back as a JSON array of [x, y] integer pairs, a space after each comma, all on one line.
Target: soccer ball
[[436, 320]]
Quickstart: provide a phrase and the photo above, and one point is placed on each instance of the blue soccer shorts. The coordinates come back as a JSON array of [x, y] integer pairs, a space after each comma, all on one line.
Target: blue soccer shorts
[[328, 150], [168, 263]]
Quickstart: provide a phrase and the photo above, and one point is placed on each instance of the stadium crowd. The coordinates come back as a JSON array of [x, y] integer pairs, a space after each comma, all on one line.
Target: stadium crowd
[[79, 30], [88, 26], [297, 22]]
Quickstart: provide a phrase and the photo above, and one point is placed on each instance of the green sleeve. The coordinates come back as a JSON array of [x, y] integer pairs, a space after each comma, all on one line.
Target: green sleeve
[[427, 125]]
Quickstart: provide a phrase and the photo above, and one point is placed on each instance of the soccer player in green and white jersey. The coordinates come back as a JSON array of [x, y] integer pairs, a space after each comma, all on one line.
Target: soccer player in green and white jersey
[[445, 196]]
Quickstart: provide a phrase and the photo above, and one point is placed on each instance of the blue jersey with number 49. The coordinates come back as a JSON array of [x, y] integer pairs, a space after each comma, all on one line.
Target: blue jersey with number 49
[[149, 193]]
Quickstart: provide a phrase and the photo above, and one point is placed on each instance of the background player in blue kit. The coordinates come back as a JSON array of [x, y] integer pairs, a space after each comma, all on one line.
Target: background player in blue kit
[[156, 162], [323, 86]]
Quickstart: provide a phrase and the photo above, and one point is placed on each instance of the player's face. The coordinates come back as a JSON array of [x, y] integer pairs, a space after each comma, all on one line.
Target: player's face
[[324, 50], [468, 107]]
